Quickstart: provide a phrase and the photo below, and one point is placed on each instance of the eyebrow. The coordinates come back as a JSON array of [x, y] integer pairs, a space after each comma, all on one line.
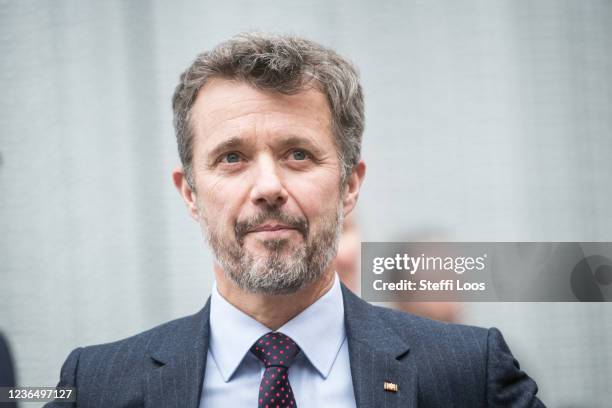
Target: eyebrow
[[293, 140], [237, 142], [229, 144]]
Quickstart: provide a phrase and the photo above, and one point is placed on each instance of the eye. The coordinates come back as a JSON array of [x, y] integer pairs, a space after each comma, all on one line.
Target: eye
[[230, 157], [299, 155]]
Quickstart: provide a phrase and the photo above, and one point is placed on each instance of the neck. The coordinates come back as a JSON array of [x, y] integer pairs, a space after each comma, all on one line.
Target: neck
[[273, 311]]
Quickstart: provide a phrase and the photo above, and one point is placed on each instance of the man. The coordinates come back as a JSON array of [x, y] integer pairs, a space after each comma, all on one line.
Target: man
[[7, 373], [269, 134]]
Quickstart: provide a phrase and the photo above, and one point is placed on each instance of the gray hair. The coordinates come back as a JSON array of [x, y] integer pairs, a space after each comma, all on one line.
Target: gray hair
[[285, 64]]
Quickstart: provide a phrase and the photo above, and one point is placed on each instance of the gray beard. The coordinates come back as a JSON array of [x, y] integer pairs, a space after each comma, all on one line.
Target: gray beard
[[278, 273]]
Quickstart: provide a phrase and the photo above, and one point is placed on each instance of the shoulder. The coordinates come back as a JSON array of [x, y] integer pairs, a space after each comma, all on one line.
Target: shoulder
[[422, 330], [455, 353], [419, 333], [140, 341], [112, 374], [459, 358], [131, 354]]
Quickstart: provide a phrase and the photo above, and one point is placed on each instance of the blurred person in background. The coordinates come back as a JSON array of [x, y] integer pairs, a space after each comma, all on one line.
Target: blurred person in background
[[348, 257], [417, 303], [7, 373], [348, 266]]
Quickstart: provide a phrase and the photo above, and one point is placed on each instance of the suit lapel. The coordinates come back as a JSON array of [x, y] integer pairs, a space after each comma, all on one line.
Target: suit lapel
[[378, 355], [179, 361]]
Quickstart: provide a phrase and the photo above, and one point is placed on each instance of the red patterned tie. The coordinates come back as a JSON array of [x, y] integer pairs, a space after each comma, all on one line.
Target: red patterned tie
[[277, 352]]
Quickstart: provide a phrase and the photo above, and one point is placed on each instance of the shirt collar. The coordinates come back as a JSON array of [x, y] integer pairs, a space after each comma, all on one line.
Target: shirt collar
[[324, 319]]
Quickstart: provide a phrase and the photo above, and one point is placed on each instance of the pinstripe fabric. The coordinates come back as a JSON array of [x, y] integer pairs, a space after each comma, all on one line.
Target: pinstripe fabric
[[434, 364]]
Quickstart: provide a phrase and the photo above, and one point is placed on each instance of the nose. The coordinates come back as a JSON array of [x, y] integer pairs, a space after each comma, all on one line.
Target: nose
[[268, 189]]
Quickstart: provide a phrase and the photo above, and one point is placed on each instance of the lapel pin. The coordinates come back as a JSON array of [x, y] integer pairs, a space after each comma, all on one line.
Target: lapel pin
[[391, 387]]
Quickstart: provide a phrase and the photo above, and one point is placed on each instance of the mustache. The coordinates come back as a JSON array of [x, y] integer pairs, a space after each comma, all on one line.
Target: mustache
[[243, 227]]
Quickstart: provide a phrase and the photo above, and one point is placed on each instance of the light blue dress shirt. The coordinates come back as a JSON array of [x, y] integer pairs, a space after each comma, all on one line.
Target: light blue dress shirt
[[320, 375]]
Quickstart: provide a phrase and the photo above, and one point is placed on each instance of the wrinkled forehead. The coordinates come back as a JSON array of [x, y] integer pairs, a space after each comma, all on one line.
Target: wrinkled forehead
[[228, 109]]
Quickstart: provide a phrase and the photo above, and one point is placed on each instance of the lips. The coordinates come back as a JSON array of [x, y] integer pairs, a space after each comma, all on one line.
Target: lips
[[271, 224], [271, 227]]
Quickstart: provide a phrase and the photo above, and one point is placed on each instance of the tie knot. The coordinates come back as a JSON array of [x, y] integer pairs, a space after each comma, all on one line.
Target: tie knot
[[275, 349]]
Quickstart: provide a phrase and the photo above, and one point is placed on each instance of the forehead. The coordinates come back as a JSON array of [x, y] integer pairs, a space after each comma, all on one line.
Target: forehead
[[228, 108]]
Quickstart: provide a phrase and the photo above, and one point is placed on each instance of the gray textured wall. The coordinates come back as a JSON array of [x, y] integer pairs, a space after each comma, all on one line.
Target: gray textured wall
[[489, 120]]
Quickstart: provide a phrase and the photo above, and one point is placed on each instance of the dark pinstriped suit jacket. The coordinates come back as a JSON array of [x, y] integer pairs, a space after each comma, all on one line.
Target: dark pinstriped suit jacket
[[434, 364]]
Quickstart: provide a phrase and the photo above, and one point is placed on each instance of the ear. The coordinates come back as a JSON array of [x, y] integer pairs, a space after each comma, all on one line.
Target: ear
[[187, 193], [351, 191]]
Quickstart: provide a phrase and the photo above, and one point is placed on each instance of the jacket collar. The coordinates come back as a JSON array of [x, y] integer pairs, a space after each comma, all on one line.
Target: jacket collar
[[377, 355]]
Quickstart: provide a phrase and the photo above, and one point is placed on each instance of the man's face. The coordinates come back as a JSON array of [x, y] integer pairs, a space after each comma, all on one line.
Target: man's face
[[267, 184]]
